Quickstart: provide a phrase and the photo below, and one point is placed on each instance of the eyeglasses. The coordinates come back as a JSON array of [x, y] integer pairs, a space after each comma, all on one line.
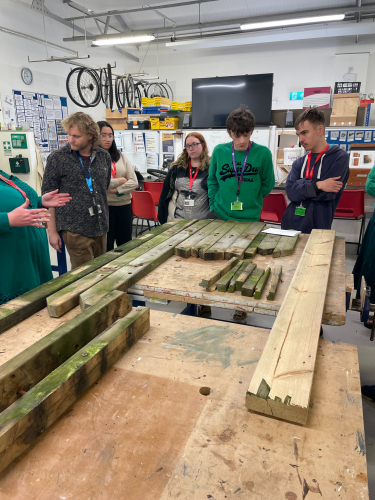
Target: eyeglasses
[[103, 136], [193, 145]]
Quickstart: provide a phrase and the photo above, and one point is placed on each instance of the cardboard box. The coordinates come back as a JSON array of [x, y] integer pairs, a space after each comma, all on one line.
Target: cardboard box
[[321, 97]]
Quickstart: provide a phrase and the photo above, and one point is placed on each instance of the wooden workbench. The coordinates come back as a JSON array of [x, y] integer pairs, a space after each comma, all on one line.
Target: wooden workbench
[[178, 280], [144, 431]]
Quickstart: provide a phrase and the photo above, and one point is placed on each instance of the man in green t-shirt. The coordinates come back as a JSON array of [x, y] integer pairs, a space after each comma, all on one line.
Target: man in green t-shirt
[[241, 172]]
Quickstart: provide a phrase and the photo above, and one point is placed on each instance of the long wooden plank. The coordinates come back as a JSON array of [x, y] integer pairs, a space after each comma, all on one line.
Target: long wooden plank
[[232, 283], [218, 249], [244, 275], [200, 248], [26, 369], [224, 281], [285, 246], [249, 286], [261, 284], [30, 416], [252, 249], [242, 242], [275, 279], [33, 301], [281, 384], [126, 276], [66, 299], [268, 245], [184, 249], [209, 280]]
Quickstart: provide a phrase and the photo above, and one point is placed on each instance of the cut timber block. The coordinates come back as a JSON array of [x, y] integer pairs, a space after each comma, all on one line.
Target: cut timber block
[[41, 406], [249, 286], [268, 245], [30, 366], [251, 250], [242, 242], [218, 249], [211, 279], [224, 281], [285, 246], [281, 384], [232, 283], [261, 284], [244, 275], [201, 247], [349, 285], [275, 279], [33, 301], [184, 249]]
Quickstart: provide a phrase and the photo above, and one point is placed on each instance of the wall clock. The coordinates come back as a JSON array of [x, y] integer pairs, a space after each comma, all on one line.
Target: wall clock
[[27, 76]]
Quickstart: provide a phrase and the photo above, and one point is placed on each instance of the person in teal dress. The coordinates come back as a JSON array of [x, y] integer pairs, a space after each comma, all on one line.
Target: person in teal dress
[[24, 253]]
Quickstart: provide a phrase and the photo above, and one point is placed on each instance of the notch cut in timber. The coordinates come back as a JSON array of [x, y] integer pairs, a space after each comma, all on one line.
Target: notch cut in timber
[[288, 360]]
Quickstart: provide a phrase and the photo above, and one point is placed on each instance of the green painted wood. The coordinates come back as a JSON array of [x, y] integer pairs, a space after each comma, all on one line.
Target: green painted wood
[[249, 286], [68, 298], [33, 301], [261, 284], [232, 283], [251, 250], [267, 246], [242, 242], [275, 280], [285, 246], [218, 249], [223, 282], [30, 366], [244, 275], [211, 279], [184, 249], [23, 421], [219, 229]]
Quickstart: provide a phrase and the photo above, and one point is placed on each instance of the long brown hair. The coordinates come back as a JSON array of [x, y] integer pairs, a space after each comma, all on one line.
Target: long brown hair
[[183, 160]]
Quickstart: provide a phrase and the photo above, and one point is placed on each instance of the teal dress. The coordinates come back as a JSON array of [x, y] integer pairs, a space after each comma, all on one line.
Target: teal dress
[[24, 254]]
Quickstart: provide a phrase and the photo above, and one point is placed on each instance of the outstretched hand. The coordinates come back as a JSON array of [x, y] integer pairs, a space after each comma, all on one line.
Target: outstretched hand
[[21, 216], [55, 199]]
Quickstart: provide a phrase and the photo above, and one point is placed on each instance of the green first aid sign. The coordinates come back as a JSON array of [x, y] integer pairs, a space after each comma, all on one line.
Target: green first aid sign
[[7, 146]]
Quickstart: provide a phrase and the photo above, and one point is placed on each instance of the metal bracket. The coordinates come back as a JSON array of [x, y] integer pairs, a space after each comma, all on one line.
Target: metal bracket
[[54, 59]]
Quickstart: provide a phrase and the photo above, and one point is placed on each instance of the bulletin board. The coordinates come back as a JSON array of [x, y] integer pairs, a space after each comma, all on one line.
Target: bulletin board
[[345, 137], [44, 114]]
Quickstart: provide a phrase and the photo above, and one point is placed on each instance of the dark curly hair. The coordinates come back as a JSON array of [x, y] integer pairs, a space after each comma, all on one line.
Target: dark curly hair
[[241, 121]]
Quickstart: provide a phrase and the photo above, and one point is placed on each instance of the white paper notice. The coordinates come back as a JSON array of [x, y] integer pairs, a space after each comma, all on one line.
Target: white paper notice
[[48, 103], [153, 161], [139, 145], [64, 112], [50, 114], [152, 142], [56, 103], [282, 232], [140, 162], [127, 142], [58, 114]]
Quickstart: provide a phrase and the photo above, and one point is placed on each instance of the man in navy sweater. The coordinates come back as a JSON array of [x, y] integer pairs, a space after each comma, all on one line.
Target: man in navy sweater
[[316, 182]]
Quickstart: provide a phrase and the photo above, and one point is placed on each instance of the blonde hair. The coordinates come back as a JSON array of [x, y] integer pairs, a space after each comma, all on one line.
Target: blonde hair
[[183, 160], [85, 124]]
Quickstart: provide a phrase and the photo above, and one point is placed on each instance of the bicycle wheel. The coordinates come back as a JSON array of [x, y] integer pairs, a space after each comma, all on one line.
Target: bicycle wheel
[[88, 85], [155, 90], [72, 87], [107, 89], [129, 91], [138, 97], [168, 90], [120, 92]]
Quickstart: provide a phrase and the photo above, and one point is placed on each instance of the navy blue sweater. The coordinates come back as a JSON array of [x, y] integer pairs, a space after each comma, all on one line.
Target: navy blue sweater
[[320, 206]]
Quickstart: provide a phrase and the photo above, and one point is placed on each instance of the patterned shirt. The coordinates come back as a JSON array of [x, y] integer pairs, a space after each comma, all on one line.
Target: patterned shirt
[[65, 173]]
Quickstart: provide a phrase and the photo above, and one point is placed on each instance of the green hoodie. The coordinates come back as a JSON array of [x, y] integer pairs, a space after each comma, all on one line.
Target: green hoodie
[[258, 181]]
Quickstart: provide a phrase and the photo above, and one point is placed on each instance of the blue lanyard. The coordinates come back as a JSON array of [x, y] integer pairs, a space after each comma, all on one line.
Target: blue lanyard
[[243, 166], [88, 178]]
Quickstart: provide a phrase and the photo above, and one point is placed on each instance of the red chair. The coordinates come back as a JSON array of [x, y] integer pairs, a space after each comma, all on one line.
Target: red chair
[[143, 207], [274, 206], [155, 189], [352, 207]]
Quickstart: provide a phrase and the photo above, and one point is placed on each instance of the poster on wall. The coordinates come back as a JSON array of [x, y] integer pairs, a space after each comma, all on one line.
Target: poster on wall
[[44, 114]]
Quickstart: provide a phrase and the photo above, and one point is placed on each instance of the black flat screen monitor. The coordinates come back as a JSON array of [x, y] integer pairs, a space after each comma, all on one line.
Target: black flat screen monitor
[[215, 98]]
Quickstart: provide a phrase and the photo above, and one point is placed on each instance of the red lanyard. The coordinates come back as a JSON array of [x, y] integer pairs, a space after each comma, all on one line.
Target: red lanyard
[[309, 173], [114, 170], [192, 179], [8, 181]]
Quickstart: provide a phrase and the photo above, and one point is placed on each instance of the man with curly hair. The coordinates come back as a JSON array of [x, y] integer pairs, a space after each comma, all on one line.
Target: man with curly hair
[[82, 169]]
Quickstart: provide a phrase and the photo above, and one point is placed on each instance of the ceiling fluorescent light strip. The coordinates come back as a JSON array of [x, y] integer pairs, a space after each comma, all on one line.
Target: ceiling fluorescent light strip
[[290, 22], [123, 39]]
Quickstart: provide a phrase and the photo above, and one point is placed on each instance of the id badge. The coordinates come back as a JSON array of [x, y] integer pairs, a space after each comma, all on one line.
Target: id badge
[[300, 211], [95, 210], [236, 205], [188, 202]]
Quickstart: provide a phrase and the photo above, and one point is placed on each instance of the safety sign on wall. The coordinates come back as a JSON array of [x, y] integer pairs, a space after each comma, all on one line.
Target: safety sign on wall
[[7, 148]]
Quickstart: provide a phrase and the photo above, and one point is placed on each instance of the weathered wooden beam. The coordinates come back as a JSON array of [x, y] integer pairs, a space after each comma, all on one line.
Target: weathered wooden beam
[[68, 298], [275, 279], [33, 301], [285, 246], [218, 249], [223, 282], [281, 384], [232, 283], [211, 279], [261, 284], [251, 250], [30, 366], [268, 245], [244, 275], [200, 248], [249, 286], [184, 248], [23, 422], [242, 242]]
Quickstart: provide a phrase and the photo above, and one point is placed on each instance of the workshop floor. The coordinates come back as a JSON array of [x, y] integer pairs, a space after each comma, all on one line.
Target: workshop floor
[[353, 332]]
